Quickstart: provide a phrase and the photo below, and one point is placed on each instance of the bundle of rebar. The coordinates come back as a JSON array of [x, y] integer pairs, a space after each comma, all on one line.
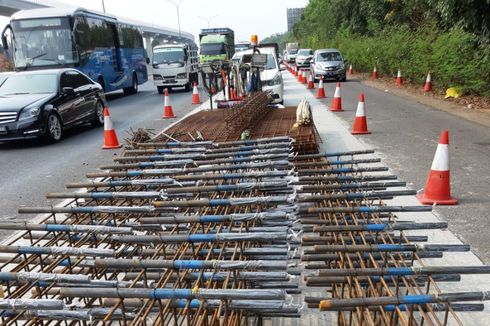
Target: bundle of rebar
[[235, 232]]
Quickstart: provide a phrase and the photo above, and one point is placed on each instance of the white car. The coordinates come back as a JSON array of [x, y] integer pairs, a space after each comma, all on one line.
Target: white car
[[328, 63], [304, 57], [271, 76]]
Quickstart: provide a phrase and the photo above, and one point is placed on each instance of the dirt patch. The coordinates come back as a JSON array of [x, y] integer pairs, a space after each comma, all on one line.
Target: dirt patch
[[472, 108]]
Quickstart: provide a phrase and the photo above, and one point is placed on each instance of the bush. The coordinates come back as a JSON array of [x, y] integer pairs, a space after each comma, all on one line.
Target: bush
[[454, 58]]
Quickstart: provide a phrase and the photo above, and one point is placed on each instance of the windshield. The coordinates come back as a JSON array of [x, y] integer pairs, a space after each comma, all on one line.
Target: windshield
[[241, 47], [293, 51], [29, 84], [305, 52], [169, 56], [271, 62], [212, 49], [329, 56], [43, 42]]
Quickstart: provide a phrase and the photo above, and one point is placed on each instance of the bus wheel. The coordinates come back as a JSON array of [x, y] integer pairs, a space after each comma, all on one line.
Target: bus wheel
[[134, 88]]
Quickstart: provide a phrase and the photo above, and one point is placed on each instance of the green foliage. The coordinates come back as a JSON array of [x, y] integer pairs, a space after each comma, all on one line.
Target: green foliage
[[450, 38]]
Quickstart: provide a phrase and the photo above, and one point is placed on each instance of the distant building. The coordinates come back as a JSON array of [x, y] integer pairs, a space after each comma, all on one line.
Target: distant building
[[294, 14]]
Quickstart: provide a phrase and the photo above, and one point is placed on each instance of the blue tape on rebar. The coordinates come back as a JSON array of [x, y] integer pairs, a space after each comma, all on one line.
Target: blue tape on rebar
[[172, 143], [356, 195], [101, 195], [181, 303], [335, 162], [375, 227], [228, 176], [147, 165], [345, 177], [219, 202], [389, 247], [342, 170], [227, 187], [189, 264], [416, 299], [171, 294], [65, 262], [57, 228], [240, 159], [202, 237], [399, 271], [156, 158], [6, 276], [164, 151], [134, 173], [212, 218], [366, 209], [31, 250]]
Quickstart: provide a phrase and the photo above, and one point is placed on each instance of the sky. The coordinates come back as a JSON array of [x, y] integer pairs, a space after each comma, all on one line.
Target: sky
[[261, 17]]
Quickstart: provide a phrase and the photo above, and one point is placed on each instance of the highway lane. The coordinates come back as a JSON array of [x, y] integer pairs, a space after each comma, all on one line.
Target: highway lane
[[32, 168], [406, 134]]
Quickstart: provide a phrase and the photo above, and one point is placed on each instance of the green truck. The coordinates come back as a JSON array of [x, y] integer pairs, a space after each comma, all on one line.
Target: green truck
[[216, 44]]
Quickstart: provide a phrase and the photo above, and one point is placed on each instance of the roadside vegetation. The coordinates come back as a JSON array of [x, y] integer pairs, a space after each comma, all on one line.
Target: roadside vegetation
[[449, 38]]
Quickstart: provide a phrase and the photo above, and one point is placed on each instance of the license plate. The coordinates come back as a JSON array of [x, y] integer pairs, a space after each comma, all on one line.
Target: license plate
[[168, 81], [3, 129]]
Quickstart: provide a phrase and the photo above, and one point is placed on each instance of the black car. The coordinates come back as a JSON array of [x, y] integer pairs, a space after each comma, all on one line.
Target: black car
[[44, 103]]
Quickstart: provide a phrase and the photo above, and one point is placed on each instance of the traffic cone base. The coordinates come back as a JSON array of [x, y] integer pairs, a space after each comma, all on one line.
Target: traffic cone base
[[311, 84], [438, 186], [374, 75], [110, 137], [399, 78], [360, 122]]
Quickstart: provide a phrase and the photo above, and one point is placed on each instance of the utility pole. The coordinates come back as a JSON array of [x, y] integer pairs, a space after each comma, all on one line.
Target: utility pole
[[177, 5], [103, 6]]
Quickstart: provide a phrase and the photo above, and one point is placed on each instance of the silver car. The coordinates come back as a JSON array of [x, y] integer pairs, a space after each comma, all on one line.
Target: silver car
[[304, 57], [329, 64]]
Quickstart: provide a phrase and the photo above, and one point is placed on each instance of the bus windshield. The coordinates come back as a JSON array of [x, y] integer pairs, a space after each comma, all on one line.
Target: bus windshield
[[43, 42], [169, 56]]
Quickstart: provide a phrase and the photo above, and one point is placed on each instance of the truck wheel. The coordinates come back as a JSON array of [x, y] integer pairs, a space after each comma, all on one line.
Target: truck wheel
[[188, 87], [160, 89]]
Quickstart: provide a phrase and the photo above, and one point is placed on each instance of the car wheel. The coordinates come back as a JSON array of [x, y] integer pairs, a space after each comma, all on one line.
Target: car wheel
[[188, 87], [99, 115], [344, 78], [54, 128], [160, 89]]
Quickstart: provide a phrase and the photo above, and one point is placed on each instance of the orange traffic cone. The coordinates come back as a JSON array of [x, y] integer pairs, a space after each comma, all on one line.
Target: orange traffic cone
[[374, 75], [428, 83], [350, 70], [110, 137], [399, 79], [321, 89], [304, 79], [311, 84], [360, 122], [195, 95], [337, 101], [300, 75], [232, 93], [168, 112], [437, 188]]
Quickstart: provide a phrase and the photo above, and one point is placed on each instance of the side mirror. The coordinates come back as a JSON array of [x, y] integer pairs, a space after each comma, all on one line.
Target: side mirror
[[68, 91], [147, 60], [282, 67]]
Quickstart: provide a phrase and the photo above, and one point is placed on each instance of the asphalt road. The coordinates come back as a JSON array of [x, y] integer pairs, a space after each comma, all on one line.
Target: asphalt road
[[30, 169], [406, 133]]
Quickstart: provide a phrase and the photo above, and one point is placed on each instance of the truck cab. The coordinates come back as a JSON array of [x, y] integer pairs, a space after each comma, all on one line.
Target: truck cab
[[175, 65], [216, 44]]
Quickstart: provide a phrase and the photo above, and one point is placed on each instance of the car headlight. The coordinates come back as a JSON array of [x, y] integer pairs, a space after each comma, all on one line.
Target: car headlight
[[318, 66], [342, 66], [275, 81], [29, 113], [181, 76]]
